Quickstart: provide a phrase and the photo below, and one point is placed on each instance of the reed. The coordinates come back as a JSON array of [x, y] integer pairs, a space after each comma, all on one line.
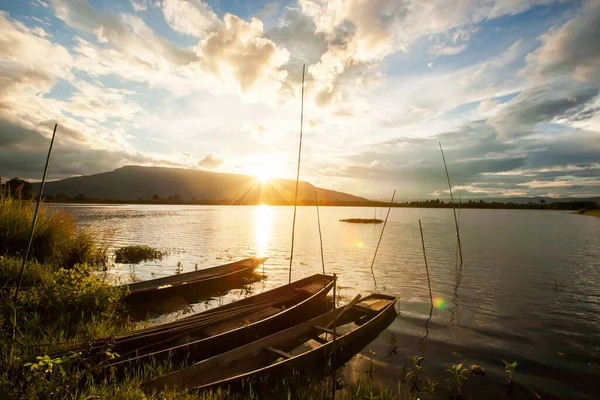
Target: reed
[[453, 207], [382, 230], [320, 236]]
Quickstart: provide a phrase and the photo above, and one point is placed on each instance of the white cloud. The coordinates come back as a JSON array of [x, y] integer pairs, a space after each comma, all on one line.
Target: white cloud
[[239, 53], [191, 17], [571, 49], [486, 105], [139, 5], [210, 161]]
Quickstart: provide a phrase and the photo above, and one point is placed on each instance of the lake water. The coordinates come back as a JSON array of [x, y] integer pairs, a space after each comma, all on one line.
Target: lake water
[[528, 290]]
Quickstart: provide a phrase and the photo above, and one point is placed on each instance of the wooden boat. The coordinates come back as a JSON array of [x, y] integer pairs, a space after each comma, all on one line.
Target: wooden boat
[[143, 296], [282, 353], [219, 329]]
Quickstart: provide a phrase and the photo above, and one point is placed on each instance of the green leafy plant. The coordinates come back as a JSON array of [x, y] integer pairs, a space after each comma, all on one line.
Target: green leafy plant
[[136, 254], [430, 387], [509, 369], [412, 377], [455, 383], [477, 370]]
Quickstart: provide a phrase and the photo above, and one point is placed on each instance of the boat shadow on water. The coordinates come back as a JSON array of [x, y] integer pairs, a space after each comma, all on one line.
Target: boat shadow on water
[[148, 299], [186, 295]]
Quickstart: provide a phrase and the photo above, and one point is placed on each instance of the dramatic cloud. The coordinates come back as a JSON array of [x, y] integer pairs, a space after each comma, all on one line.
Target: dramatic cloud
[[23, 154], [238, 52], [514, 99], [572, 49], [542, 104]]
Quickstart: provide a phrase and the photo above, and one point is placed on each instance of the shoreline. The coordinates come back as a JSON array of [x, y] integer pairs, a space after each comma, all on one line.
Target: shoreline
[[592, 213], [574, 206]]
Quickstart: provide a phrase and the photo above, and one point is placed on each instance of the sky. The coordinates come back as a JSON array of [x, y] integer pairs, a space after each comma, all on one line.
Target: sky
[[510, 88]]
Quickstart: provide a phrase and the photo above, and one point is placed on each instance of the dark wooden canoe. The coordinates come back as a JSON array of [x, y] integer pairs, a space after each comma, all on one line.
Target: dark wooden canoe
[[286, 351], [207, 281], [219, 329]]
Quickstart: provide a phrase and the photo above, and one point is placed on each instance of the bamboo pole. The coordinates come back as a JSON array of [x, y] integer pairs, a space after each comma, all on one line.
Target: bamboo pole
[[422, 341], [320, 236], [382, 229], [297, 174], [35, 213], [334, 316], [426, 266], [453, 208]]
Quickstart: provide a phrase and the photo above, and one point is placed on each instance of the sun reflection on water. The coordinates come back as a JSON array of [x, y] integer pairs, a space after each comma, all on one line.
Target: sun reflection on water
[[263, 215]]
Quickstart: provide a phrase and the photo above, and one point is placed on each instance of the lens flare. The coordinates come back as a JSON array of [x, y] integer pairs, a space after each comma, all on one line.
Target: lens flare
[[359, 245], [439, 302]]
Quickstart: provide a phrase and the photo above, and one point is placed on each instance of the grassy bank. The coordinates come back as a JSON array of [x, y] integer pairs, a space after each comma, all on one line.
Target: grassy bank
[[593, 213], [56, 239], [65, 301]]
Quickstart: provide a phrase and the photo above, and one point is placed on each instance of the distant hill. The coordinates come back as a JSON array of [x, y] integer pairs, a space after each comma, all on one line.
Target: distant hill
[[136, 182]]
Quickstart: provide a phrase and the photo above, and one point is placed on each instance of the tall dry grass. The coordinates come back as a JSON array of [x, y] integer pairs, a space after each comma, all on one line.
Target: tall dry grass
[[56, 240]]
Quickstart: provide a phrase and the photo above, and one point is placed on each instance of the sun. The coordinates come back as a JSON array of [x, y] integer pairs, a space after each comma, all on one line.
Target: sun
[[263, 174]]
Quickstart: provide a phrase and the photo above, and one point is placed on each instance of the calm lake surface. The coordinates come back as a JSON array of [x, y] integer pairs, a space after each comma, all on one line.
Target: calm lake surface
[[528, 291]]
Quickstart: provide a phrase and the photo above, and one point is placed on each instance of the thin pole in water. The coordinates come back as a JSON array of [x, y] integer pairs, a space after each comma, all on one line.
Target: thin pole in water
[[382, 229], [332, 360], [320, 236], [35, 213], [453, 208], [297, 174], [426, 266], [422, 341]]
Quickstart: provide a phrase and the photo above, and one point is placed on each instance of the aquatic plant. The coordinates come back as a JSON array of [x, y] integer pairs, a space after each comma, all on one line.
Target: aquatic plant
[[477, 370], [362, 220], [135, 254], [455, 383], [412, 377], [430, 388], [509, 369]]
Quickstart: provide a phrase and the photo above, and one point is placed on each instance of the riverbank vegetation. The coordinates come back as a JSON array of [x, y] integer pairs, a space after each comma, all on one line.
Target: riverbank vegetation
[[593, 213], [64, 300], [56, 239]]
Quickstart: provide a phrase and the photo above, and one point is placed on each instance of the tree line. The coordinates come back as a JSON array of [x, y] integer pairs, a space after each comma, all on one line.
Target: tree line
[[23, 189]]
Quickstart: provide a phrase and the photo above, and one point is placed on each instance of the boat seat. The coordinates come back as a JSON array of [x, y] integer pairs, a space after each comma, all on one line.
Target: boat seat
[[320, 340], [278, 352], [364, 310], [323, 329]]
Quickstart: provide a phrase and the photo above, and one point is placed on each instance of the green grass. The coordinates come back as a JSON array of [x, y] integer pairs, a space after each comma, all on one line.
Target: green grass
[[137, 254], [56, 239]]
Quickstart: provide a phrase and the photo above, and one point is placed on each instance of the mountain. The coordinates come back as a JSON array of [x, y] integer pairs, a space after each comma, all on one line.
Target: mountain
[[136, 182]]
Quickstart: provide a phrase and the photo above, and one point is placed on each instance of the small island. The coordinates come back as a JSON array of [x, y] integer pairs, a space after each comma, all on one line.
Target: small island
[[362, 220]]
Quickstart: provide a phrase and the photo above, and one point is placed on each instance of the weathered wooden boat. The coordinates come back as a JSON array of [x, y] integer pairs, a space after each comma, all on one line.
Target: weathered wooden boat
[[219, 329], [305, 347], [150, 295]]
